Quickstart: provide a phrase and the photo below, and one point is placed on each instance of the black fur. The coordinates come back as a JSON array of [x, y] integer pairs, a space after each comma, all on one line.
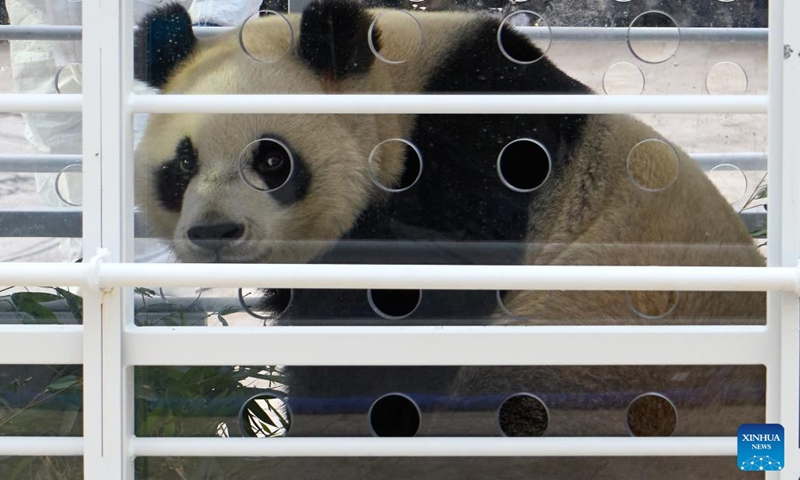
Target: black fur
[[297, 186], [163, 42], [333, 38], [458, 213], [171, 180]]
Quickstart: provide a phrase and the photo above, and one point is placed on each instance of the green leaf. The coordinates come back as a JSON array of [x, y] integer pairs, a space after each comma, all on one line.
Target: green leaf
[[26, 302], [74, 302], [63, 383], [222, 320], [259, 412], [39, 297], [145, 291], [759, 234]]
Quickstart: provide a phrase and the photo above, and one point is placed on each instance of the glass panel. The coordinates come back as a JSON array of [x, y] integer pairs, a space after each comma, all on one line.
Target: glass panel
[[427, 468], [41, 400], [447, 401], [40, 164], [451, 189], [35, 468], [40, 305]]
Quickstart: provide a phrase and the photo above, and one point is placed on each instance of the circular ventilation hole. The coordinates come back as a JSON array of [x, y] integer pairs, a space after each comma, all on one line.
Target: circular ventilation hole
[[402, 34], [393, 176], [623, 78], [265, 304], [524, 165], [69, 78], [394, 415], [523, 415], [535, 30], [266, 36], [730, 180], [726, 78], [521, 304], [652, 305], [69, 185], [265, 415], [394, 304], [653, 37], [266, 164], [653, 165], [652, 415]]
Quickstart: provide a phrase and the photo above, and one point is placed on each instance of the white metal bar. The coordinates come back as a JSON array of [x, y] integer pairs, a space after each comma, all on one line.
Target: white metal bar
[[455, 277], [572, 34], [453, 104], [44, 344], [434, 447], [433, 277], [40, 102], [41, 446], [785, 144], [747, 161], [37, 163], [490, 345], [55, 163]]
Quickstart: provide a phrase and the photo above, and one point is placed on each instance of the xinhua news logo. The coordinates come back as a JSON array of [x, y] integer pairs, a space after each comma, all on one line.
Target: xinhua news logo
[[760, 447]]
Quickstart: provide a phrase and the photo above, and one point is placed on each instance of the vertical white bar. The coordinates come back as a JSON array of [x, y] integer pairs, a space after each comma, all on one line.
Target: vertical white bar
[[784, 241], [790, 232], [108, 224]]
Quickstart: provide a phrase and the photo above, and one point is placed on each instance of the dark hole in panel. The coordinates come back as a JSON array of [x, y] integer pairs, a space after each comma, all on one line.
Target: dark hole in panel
[[652, 415], [523, 415], [524, 165], [394, 303], [394, 415]]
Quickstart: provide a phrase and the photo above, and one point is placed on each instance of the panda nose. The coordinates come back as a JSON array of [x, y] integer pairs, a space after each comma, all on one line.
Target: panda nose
[[215, 237]]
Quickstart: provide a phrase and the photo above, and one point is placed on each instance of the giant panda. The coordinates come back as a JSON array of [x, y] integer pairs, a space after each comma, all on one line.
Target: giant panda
[[458, 189]]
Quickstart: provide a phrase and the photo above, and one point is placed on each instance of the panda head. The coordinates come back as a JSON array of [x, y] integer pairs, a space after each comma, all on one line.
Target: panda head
[[261, 188]]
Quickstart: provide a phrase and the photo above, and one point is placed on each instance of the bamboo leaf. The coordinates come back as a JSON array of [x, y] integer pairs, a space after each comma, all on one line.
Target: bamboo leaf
[[74, 302], [26, 302]]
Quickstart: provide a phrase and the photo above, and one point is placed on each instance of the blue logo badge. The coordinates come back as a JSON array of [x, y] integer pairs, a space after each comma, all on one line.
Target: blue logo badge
[[760, 447]]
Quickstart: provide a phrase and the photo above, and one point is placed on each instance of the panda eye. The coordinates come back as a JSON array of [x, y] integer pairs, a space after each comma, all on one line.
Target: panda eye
[[186, 156], [266, 164], [188, 165], [273, 162]]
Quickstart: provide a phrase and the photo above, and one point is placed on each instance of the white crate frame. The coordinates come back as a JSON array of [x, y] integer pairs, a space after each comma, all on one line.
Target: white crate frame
[[109, 345]]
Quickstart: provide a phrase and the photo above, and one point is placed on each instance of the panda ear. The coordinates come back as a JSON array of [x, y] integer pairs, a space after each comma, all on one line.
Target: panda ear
[[163, 42], [333, 38]]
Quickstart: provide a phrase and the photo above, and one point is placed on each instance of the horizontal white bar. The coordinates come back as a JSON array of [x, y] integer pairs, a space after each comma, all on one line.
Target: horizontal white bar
[[434, 447], [37, 163], [746, 161], [453, 104], [452, 277], [432, 277], [57, 162], [608, 34], [450, 345], [40, 102], [41, 345], [41, 446]]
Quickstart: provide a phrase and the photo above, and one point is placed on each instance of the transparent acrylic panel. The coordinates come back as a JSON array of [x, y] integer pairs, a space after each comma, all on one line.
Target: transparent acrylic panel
[[452, 189], [41, 400], [40, 164], [35, 468], [27, 305], [431, 468], [447, 401]]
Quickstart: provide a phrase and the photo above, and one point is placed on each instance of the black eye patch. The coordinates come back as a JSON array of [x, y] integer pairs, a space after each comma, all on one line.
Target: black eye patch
[[276, 170], [173, 177]]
